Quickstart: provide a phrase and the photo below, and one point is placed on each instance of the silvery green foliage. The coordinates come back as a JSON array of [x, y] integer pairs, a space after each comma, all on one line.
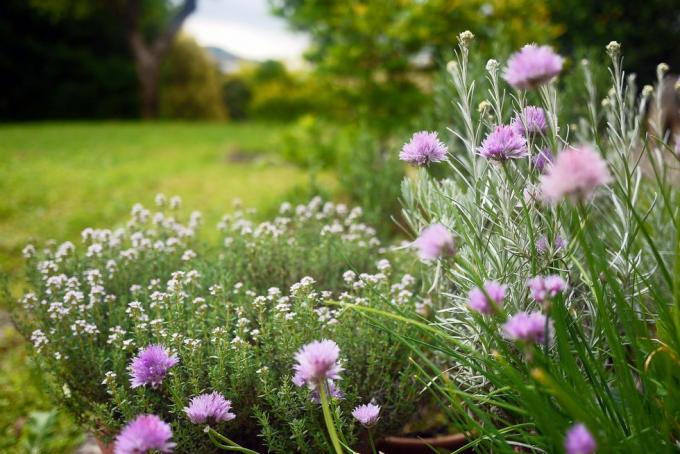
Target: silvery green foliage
[[498, 215], [92, 307]]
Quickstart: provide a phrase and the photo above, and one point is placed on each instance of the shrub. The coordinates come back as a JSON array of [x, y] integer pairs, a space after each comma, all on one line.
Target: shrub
[[190, 84], [561, 327], [222, 324]]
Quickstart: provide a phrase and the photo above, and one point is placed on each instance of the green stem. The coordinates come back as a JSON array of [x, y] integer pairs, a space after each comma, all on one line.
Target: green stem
[[217, 439], [328, 418], [370, 440]]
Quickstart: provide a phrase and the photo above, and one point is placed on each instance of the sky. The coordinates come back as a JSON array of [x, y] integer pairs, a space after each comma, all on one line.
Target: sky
[[245, 28]]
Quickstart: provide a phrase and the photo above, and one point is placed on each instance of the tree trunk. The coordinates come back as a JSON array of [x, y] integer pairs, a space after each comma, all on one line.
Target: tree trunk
[[147, 66], [148, 76], [149, 56]]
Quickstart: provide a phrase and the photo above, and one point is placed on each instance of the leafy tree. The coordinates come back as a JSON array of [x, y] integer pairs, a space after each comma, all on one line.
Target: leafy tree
[[649, 31], [72, 66], [190, 83], [150, 27], [381, 53]]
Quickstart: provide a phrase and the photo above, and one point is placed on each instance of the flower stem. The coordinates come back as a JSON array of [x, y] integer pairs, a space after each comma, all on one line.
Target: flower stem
[[370, 440], [329, 419], [219, 440]]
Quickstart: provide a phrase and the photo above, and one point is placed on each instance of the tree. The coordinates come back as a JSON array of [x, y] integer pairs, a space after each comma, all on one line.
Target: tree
[[649, 31], [150, 28], [381, 54], [149, 49], [68, 67]]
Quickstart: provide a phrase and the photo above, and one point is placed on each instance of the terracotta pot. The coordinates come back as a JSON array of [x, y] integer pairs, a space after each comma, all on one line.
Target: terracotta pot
[[412, 445], [105, 448]]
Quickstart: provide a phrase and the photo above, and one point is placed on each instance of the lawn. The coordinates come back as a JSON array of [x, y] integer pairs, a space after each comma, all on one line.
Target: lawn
[[58, 178]]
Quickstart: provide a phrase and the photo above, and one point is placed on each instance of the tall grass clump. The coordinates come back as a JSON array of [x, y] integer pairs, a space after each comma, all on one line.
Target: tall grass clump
[[156, 339], [557, 258]]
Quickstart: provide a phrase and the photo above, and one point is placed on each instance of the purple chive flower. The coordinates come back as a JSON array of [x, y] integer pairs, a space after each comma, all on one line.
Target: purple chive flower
[[526, 327], [151, 365], [146, 433], [530, 121], [503, 143], [543, 246], [579, 440], [435, 241], [542, 160], [480, 303], [423, 148], [209, 408], [317, 361], [532, 67], [334, 392], [367, 414], [576, 173], [546, 287]]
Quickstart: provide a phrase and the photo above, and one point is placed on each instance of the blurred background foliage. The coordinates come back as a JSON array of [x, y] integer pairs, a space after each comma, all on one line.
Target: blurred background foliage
[[373, 61]]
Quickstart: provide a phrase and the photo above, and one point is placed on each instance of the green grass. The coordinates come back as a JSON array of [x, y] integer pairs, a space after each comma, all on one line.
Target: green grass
[[58, 178]]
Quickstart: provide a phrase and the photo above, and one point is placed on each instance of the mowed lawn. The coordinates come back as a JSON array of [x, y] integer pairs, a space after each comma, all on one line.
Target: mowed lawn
[[58, 178]]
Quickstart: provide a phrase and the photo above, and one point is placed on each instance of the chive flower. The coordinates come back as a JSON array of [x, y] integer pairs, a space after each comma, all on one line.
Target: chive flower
[[209, 409], [334, 392], [546, 287], [367, 414], [576, 174], [316, 362], [479, 302], [151, 366], [145, 434], [530, 121], [543, 244], [423, 148], [435, 241], [503, 143], [579, 440], [532, 67], [543, 160], [526, 327]]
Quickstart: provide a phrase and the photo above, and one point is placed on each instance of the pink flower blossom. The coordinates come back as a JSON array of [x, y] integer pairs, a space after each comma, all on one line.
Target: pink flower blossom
[[367, 414], [543, 160], [546, 287], [576, 173], [532, 67], [526, 327], [423, 148], [480, 303], [145, 434], [543, 244], [316, 362], [503, 143], [151, 365], [530, 121], [579, 440], [435, 241], [209, 408], [334, 392]]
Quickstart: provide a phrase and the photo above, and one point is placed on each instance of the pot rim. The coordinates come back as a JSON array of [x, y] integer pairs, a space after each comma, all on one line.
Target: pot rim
[[432, 441]]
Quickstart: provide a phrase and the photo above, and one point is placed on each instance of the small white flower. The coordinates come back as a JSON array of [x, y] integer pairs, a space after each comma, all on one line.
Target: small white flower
[[28, 251]]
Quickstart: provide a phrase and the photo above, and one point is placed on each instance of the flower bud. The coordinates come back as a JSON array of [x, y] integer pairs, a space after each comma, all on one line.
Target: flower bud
[[614, 49], [465, 38]]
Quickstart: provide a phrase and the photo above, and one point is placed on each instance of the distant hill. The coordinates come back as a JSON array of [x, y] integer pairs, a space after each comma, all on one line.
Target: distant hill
[[227, 61]]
